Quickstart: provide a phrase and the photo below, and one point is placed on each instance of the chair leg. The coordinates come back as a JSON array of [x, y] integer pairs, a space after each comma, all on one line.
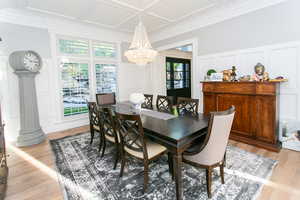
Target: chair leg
[[222, 172], [123, 162], [92, 134], [116, 156], [101, 141], [104, 147], [146, 176], [208, 181], [170, 161]]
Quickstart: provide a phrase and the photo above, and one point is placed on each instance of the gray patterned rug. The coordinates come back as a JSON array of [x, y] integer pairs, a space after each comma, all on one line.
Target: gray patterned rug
[[84, 175]]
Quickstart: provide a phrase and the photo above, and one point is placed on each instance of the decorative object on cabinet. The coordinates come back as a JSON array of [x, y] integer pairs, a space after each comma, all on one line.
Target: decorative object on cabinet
[[216, 77], [3, 163], [259, 70], [233, 74], [208, 74], [266, 76], [26, 65], [279, 79], [227, 74], [256, 119], [245, 78]]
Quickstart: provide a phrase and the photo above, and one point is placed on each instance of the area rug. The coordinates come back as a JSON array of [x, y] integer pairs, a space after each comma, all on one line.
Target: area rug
[[83, 174]]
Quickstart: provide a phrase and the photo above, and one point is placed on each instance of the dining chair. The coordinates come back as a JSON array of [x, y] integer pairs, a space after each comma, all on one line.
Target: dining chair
[[134, 143], [94, 117], [106, 98], [148, 103], [164, 103], [109, 131], [187, 106], [212, 152]]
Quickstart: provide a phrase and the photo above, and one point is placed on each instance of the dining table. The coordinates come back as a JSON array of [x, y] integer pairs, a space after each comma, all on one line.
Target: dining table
[[176, 133]]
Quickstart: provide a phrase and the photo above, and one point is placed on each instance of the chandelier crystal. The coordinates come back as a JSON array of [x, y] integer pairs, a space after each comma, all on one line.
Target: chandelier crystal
[[140, 50]]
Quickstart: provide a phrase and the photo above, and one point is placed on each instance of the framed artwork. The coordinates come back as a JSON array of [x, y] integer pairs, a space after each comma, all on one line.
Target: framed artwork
[[216, 77]]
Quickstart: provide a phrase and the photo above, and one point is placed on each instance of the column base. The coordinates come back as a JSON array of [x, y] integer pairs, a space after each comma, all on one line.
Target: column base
[[28, 138]]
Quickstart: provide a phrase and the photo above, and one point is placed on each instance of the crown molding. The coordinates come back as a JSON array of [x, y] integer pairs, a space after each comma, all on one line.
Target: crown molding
[[209, 18]]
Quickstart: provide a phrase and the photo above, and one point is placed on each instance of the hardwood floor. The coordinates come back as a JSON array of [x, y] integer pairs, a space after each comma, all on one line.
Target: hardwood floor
[[32, 172]]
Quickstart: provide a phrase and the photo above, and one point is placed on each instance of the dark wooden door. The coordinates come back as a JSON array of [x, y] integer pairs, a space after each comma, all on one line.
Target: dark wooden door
[[178, 77]]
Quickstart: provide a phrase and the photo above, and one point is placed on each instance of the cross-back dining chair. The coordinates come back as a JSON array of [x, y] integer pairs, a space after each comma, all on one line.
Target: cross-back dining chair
[[134, 143], [95, 125], [106, 98], [164, 103], [187, 106], [109, 131], [211, 153], [148, 102]]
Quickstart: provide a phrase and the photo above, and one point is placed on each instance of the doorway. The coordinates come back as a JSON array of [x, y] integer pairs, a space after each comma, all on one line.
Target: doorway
[[178, 77]]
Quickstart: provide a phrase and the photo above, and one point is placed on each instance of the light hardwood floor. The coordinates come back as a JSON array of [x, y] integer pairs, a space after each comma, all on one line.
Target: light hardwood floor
[[32, 172]]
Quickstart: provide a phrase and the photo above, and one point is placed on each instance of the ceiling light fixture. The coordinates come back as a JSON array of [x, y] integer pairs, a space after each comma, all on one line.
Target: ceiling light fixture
[[140, 51]]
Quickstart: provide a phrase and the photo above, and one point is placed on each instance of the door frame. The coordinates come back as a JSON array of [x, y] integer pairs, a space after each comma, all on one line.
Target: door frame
[[195, 86]]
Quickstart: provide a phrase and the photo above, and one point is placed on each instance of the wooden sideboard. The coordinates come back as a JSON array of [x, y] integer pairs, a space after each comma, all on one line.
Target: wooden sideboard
[[256, 103]]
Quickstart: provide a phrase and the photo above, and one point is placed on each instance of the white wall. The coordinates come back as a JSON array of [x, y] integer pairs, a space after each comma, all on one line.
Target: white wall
[[271, 25], [279, 60], [22, 31]]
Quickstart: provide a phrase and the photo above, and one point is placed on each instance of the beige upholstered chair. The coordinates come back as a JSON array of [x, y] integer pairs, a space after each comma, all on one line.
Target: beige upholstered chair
[[106, 98], [134, 143], [211, 153]]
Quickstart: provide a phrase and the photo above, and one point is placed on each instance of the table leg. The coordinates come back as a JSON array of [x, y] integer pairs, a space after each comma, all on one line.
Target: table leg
[[177, 173]]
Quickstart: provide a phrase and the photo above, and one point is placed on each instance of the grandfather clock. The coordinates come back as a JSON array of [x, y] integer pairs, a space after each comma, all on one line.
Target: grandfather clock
[[26, 65]]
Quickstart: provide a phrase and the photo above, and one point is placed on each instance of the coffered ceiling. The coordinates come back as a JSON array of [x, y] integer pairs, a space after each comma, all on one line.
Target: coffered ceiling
[[123, 15]]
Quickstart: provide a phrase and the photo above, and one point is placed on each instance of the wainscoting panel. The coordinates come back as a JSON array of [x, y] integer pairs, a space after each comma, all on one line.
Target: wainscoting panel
[[279, 60]]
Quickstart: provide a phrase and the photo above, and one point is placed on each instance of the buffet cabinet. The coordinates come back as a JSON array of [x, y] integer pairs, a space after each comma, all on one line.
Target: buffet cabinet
[[256, 103]]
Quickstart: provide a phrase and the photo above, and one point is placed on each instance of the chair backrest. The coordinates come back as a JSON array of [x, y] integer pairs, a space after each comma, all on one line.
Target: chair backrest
[[108, 123], [187, 106], [219, 128], [148, 102], [132, 133], [164, 104], [106, 98], [93, 113]]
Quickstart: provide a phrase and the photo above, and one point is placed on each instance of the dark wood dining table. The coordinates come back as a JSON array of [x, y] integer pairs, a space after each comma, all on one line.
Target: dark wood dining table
[[176, 134]]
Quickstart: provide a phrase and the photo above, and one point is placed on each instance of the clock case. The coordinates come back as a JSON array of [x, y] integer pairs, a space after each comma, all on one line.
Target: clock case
[[16, 60]]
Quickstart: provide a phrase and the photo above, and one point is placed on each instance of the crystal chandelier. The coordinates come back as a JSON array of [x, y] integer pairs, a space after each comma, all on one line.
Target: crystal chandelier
[[140, 51]]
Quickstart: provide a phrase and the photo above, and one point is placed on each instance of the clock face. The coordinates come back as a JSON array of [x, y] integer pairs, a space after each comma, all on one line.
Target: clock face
[[32, 61]]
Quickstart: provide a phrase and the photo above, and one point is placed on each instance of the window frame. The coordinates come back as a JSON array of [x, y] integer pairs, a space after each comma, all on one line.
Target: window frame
[[91, 60]]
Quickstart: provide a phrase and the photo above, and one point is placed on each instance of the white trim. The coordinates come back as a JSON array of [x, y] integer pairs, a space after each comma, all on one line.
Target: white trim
[[194, 71]]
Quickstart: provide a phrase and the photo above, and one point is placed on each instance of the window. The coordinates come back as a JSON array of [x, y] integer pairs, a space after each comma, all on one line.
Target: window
[[75, 87], [73, 47], [76, 57], [104, 50], [106, 75]]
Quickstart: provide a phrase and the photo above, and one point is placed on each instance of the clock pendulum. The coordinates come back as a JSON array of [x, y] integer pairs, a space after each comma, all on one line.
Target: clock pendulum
[[26, 65]]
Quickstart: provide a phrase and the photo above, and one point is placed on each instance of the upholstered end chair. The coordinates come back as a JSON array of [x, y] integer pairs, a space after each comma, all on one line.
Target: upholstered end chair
[[211, 153]]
